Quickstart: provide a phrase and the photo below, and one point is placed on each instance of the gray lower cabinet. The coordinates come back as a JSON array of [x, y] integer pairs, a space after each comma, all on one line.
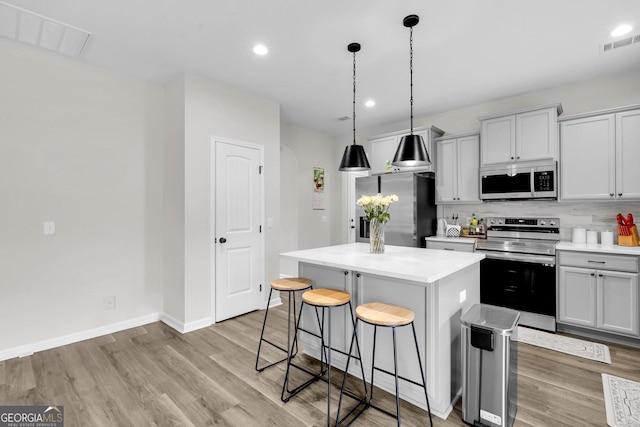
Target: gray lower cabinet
[[599, 291]]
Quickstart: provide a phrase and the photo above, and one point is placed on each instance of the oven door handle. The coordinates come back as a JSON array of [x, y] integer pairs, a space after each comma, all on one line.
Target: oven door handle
[[512, 256]]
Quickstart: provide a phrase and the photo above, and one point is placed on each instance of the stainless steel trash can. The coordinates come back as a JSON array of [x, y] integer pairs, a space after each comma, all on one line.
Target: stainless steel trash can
[[489, 366]]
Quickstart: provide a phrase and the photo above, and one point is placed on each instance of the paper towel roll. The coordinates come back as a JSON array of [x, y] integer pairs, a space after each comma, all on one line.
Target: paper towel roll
[[579, 235], [606, 238], [592, 237]]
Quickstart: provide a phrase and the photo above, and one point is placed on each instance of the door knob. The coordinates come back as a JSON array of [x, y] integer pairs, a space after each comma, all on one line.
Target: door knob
[[223, 240]]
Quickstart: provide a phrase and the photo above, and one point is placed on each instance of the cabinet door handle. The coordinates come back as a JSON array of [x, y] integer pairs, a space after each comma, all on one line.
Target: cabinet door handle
[[599, 275], [448, 249], [611, 194], [597, 262], [592, 274], [346, 273], [619, 194], [357, 274]]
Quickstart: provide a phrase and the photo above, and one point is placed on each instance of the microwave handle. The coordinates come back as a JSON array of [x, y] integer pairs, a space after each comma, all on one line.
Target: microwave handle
[[532, 183]]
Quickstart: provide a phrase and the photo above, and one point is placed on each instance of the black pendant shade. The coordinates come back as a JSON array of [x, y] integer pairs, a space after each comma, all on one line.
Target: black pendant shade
[[411, 150], [354, 158]]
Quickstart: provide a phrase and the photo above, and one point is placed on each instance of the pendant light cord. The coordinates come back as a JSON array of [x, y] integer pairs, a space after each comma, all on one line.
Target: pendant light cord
[[354, 98], [411, 73]]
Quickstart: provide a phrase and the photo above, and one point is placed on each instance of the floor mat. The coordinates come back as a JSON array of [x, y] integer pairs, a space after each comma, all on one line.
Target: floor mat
[[622, 401], [585, 349]]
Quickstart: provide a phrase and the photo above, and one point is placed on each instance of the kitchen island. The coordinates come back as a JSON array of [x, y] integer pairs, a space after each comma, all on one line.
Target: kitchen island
[[437, 285]]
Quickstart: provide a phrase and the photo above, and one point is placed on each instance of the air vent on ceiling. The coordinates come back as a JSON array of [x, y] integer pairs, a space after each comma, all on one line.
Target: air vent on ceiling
[[37, 30], [344, 118], [607, 47]]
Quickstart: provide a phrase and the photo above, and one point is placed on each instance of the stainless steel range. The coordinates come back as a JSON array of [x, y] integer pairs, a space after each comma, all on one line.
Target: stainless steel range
[[519, 270]]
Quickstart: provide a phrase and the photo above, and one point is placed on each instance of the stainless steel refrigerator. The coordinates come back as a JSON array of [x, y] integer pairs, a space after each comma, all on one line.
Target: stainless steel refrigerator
[[413, 216]]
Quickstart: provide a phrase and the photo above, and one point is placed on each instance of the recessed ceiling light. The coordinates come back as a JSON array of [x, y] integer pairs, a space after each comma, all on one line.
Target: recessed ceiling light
[[370, 103], [621, 30], [260, 49]]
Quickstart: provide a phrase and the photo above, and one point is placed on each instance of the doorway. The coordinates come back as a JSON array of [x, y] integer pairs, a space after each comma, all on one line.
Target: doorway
[[236, 221]]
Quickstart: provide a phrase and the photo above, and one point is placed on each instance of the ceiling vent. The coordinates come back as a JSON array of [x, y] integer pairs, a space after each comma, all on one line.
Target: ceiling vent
[[37, 30], [607, 47]]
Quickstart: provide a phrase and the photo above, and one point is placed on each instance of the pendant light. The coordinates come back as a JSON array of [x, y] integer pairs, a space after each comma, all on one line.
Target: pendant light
[[411, 150], [354, 157]]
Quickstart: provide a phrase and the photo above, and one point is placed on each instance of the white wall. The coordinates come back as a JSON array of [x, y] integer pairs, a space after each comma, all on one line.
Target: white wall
[[302, 150], [212, 108], [173, 206], [581, 97], [82, 147]]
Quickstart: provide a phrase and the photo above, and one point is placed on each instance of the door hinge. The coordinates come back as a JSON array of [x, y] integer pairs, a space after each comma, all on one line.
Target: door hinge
[[260, 229], [260, 170]]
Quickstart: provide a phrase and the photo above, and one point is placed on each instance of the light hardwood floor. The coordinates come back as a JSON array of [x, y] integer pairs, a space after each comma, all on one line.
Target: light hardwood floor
[[153, 375]]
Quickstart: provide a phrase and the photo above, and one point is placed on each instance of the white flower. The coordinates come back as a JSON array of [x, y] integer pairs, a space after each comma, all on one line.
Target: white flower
[[377, 206]]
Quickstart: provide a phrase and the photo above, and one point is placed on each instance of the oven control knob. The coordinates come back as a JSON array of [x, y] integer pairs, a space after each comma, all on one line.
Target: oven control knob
[[552, 223], [493, 221], [543, 222], [500, 221]]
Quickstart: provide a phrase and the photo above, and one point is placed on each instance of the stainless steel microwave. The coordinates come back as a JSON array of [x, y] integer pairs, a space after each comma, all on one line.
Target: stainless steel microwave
[[519, 181]]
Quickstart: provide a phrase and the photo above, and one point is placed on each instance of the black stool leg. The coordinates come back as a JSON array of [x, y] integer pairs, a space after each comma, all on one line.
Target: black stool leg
[[364, 401], [373, 360], [264, 323], [424, 381], [315, 377], [328, 369], [395, 371]]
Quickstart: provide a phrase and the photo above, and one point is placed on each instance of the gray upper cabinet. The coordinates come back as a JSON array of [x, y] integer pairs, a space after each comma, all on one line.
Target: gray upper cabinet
[[520, 136], [383, 148], [458, 165], [599, 157]]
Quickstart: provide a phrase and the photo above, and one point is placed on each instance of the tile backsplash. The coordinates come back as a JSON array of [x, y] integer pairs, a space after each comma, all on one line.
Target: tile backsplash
[[599, 216]]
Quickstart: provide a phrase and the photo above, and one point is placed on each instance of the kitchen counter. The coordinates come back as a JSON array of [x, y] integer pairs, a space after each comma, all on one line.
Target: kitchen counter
[[437, 285], [399, 262], [606, 249]]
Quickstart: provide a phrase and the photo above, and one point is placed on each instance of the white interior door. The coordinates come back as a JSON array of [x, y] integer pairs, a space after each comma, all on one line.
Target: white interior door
[[238, 242]]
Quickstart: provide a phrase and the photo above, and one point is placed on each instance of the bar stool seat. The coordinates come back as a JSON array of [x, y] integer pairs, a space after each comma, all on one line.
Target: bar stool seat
[[381, 314], [290, 285], [325, 299]]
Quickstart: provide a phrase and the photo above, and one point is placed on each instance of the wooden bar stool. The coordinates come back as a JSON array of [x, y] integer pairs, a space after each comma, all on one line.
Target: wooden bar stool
[[392, 316], [325, 299], [289, 285]]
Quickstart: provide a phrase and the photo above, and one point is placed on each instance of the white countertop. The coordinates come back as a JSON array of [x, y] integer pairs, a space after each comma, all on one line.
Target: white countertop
[[606, 249], [415, 264], [469, 240]]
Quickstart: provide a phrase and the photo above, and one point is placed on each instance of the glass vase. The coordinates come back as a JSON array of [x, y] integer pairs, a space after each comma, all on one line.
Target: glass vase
[[376, 236]]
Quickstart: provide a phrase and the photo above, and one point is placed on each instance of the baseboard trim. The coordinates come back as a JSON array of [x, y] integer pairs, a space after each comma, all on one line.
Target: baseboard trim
[[29, 349], [182, 327]]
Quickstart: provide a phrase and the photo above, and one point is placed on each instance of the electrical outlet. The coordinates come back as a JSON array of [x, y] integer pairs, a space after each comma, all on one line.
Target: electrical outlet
[[109, 303], [49, 228]]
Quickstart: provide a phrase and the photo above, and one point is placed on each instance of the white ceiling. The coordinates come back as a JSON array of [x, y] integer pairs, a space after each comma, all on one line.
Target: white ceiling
[[465, 51]]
